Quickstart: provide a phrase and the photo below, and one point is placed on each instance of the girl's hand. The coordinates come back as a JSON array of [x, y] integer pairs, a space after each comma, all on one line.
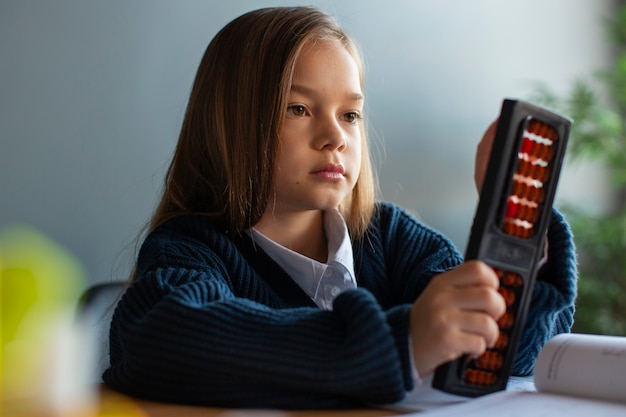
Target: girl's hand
[[483, 151], [455, 315]]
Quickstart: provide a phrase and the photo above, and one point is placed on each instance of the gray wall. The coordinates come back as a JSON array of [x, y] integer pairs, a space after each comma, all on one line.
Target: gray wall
[[92, 95]]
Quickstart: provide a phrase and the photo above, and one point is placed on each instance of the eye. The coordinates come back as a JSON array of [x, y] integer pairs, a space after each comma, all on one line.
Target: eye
[[296, 110], [352, 117]]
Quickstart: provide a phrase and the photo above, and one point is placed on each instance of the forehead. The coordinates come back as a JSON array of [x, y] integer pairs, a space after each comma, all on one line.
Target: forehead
[[327, 61]]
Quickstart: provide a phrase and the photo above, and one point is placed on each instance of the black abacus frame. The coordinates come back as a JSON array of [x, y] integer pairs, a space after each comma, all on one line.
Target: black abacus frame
[[487, 242]]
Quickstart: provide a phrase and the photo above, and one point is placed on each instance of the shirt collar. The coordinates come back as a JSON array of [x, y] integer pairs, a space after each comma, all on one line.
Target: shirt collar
[[307, 272]]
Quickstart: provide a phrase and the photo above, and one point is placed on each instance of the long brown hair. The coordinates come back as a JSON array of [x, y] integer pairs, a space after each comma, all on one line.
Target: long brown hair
[[224, 161]]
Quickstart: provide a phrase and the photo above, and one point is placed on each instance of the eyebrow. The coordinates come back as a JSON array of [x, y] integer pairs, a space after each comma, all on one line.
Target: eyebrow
[[311, 92]]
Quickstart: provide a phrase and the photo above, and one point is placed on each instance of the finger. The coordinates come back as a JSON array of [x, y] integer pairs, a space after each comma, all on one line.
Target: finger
[[480, 299], [482, 326], [474, 345], [468, 343], [472, 272]]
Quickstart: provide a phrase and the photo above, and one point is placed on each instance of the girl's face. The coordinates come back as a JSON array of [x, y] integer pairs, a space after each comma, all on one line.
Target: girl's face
[[320, 138]]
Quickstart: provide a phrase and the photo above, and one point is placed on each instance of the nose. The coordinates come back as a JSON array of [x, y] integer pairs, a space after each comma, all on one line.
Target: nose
[[330, 135]]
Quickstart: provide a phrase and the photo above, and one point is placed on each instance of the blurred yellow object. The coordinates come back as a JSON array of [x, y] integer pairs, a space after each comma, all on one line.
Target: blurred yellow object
[[36, 272], [113, 404], [43, 349]]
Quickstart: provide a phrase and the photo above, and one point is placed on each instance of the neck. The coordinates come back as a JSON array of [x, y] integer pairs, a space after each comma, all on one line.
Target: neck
[[302, 232]]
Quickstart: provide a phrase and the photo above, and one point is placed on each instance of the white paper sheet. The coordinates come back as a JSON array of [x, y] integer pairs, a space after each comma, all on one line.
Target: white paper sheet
[[528, 404], [583, 365]]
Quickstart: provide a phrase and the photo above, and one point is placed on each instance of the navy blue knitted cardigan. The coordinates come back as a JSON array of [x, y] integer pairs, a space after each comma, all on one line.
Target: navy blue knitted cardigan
[[214, 321]]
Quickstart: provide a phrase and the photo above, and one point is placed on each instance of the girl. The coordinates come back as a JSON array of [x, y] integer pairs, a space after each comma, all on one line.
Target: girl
[[270, 277]]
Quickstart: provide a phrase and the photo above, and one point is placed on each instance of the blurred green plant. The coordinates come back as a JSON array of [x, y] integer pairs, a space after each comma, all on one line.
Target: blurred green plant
[[598, 107]]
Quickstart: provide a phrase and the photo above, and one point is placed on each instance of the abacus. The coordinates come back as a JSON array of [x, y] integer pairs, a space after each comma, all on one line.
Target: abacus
[[508, 233]]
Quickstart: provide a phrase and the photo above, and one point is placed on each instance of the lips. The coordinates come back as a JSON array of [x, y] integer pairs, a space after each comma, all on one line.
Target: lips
[[330, 168], [331, 172]]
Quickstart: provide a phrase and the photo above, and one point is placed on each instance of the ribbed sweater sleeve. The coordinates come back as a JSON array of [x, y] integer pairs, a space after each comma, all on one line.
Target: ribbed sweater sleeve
[[552, 306], [240, 353]]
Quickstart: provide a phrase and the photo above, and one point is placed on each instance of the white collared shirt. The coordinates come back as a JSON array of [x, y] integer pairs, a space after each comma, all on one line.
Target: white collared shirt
[[320, 281]]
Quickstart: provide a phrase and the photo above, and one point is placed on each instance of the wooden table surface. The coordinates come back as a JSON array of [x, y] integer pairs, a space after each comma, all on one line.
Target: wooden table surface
[[117, 405]]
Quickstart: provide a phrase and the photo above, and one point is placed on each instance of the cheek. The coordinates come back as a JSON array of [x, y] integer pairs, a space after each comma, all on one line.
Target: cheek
[[288, 172]]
